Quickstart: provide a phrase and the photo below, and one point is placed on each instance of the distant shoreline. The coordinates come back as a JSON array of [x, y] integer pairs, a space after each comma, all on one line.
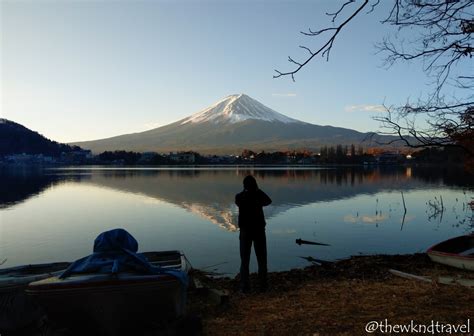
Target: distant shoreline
[[229, 166]]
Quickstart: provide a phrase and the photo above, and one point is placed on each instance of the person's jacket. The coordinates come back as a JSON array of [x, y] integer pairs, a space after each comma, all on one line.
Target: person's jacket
[[250, 205]]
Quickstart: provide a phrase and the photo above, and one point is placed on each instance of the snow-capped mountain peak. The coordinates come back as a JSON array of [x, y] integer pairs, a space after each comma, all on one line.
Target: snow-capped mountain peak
[[236, 108]]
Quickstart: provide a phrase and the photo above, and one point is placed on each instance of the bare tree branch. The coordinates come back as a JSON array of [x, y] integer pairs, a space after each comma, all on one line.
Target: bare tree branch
[[372, 8], [443, 38], [440, 36], [326, 48], [447, 126], [335, 14]]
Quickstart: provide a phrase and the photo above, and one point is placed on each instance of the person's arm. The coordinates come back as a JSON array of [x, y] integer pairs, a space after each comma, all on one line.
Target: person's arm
[[237, 200], [264, 199]]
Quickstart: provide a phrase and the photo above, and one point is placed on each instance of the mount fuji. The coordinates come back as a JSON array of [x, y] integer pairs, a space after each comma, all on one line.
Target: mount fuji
[[228, 126]]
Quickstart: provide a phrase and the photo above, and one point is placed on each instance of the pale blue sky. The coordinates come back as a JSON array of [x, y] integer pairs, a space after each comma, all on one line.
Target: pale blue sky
[[82, 70]]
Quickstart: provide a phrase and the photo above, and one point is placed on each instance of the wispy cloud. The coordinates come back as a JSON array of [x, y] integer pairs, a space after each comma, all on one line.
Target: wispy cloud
[[284, 94], [365, 108]]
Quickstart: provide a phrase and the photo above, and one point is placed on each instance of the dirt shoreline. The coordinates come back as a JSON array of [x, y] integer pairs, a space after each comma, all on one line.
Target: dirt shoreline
[[338, 299]]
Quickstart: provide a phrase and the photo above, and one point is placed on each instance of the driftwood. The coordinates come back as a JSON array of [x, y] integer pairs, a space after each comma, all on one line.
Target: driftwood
[[197, 283], [217, 296], [315, 261], [300, 241], [445, 280], [409, 276]]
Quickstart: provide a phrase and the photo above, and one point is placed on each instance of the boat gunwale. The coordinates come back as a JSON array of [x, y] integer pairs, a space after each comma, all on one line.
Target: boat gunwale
[[18, 268], [112, 281], [109, 286], [433, 251]]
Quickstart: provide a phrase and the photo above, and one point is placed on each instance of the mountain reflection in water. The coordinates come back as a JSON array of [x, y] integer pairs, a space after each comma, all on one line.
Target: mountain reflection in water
[[209, 193]]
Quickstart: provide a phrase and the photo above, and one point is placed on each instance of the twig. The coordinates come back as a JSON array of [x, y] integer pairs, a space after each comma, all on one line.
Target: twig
[[403, 199], [404, 212], [326, 48]]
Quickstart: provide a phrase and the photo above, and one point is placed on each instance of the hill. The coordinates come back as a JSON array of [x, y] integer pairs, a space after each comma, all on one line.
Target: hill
[[17, 139]]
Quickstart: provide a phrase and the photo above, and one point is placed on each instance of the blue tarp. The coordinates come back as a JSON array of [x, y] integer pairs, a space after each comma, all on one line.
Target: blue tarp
[[115, 251]]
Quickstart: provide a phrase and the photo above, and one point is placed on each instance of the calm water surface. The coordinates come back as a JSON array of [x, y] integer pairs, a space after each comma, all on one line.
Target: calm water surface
[[55, 214]]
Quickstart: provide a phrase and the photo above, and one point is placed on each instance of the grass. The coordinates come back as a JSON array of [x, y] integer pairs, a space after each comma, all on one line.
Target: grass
[[340, 299]]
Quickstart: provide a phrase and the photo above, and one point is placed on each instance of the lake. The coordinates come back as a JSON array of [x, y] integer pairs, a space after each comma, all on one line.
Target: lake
[[55, 214]]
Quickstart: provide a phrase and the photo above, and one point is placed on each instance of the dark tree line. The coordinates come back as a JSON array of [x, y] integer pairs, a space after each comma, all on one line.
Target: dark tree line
[[17, 139], [135, 158], [129, 158], [341, 154]]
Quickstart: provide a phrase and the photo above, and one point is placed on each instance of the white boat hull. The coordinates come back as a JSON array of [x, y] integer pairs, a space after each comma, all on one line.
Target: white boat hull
[[458, 262], [456, 252]]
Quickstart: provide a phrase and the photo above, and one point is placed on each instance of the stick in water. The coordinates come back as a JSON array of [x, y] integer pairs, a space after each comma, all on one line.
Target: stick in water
[[300, 241], [404, 213]]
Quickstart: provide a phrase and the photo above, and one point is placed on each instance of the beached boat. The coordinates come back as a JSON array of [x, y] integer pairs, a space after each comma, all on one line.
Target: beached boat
[[16, 309], [115, 304], [115, 290], [457, 252]]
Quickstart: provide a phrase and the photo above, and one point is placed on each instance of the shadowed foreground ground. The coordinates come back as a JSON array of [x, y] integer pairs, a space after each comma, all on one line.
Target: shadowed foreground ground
[[340, 299]]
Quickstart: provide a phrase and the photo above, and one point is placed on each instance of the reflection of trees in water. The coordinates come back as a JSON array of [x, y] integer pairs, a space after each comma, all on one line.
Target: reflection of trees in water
[[466, 221], [461, 212], [210, 192], [20, 183], [342, 176], [449, 176]]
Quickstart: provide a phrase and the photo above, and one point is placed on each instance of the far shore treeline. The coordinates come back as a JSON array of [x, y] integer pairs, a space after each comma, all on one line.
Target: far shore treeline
[[22, 146], [327, 155], [342, 155]]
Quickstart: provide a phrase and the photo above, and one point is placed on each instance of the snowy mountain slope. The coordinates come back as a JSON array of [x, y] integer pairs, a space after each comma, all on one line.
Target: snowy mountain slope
[[237, 108]]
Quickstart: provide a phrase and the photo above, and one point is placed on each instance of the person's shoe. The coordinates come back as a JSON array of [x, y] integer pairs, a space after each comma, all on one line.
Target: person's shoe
[[263, 288]]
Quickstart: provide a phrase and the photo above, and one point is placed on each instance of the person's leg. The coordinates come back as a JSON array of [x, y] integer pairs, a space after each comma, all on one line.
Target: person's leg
[[260, 246], [245, 250]]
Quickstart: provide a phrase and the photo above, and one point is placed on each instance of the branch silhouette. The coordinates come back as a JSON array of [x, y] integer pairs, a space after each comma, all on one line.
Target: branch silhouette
[[325, 50]]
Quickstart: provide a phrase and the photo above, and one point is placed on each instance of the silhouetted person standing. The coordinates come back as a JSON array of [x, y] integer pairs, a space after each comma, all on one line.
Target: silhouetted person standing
[[252, 230]]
